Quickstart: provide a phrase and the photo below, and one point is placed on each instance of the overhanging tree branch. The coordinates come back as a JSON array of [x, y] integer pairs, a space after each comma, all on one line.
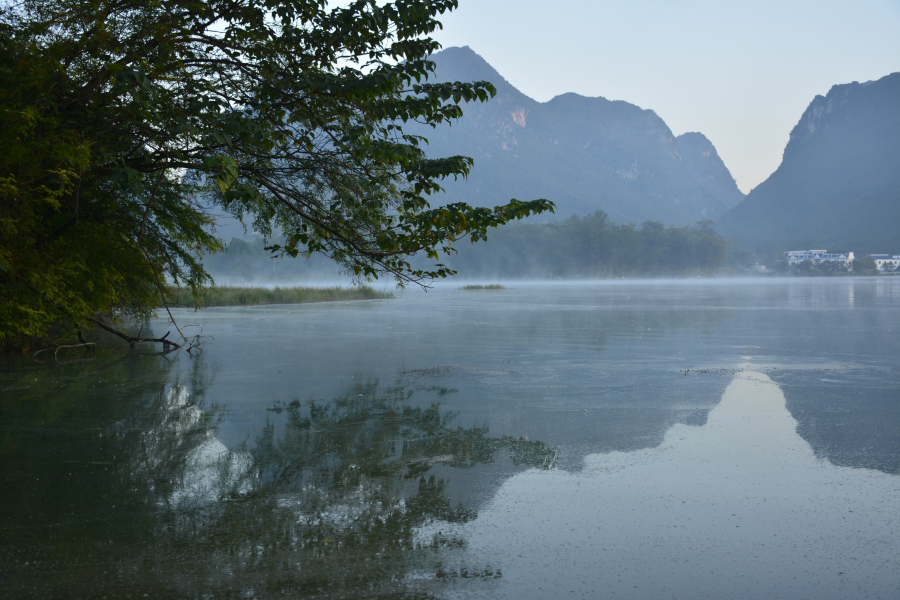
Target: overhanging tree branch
[[289, 117], [134, 340]]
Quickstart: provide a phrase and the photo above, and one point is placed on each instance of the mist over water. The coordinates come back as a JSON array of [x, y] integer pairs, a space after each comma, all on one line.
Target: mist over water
[[464, 442]]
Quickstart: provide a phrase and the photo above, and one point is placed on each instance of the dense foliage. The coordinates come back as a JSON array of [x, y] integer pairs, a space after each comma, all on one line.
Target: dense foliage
[[126, 124]]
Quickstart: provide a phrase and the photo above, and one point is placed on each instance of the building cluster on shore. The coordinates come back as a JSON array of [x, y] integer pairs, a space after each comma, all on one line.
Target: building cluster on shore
[[883, 262], [817, 257], [886, 262]]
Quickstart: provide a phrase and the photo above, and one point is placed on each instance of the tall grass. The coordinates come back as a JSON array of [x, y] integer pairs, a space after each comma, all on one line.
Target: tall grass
[[251, 296]]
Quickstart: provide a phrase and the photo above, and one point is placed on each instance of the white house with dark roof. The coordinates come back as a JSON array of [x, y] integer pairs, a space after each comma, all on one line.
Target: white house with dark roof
[[817, 257], [886, 262]]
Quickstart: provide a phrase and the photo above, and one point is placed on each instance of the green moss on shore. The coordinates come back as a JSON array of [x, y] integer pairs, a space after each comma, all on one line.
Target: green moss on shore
[[252, 296]]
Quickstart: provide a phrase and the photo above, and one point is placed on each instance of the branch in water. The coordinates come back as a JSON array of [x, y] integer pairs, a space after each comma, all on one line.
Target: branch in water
[[134, 340]]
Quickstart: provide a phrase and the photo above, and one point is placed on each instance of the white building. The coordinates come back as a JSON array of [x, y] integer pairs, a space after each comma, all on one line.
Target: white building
[[886, 262], [817, 257]]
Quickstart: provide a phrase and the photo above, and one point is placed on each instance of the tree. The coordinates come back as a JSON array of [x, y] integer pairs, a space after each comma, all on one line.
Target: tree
[[127, 124], [865, 266]]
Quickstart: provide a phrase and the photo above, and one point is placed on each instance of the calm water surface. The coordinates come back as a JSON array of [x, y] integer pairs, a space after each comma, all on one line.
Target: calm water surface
[[609, 440]]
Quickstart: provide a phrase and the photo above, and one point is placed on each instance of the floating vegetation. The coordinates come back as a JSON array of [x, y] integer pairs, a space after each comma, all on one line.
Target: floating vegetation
[[252, 296], [491, 286]]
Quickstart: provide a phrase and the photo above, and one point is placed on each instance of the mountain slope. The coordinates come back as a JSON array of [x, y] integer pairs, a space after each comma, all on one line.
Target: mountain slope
[[838, 185], [585, 154], [703, 162]]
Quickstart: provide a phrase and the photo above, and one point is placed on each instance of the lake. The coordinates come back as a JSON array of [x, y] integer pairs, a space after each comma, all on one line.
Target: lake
[[685, 439]]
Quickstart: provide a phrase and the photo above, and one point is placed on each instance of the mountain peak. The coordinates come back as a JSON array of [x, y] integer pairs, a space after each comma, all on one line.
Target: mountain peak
[[837, 185], [823, 108], [461, 63], [696, 137], [585, 154]]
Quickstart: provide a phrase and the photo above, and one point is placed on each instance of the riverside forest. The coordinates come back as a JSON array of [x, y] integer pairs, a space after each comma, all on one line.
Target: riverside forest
[[305, 299]]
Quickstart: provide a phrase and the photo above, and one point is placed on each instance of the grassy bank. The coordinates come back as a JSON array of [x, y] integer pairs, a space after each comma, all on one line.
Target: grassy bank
[[251, 296]]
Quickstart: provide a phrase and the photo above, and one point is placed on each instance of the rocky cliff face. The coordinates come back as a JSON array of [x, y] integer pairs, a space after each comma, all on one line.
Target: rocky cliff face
[[838, 185], [821, 111], [585, 154], [703, 162]]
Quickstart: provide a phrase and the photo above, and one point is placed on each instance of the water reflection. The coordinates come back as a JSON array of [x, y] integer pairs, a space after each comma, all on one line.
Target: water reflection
[[820, 294], [137, 475], [125, 489], [738, 508], [887, 288]]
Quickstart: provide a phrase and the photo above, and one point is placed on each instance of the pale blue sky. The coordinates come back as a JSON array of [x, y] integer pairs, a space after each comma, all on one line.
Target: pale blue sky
[[739, 72]]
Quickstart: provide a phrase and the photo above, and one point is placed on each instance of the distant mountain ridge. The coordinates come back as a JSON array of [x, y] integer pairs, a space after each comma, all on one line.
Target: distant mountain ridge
[[838, 185], [585, 154]]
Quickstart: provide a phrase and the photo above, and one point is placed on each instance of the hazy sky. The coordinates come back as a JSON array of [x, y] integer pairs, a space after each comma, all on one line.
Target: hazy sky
[[742, 73]]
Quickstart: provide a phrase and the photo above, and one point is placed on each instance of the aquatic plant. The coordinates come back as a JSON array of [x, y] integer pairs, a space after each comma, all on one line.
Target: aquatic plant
[[490, 286], [251, 296]]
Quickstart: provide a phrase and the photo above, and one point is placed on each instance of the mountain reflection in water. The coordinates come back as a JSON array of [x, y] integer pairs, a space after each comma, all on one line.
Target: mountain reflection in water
[[738, 508], [123, 489], [203, 477]]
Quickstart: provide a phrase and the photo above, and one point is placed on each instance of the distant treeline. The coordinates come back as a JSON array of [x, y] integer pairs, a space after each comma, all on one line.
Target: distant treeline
[[587, 247], [594, 247]]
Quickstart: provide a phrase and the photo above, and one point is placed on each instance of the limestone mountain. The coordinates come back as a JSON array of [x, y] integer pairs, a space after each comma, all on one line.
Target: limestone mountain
[[703, 162], [585, 154], [838, 185]]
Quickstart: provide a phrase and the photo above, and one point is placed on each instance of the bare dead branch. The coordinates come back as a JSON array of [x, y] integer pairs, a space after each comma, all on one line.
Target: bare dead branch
[[134, 340]]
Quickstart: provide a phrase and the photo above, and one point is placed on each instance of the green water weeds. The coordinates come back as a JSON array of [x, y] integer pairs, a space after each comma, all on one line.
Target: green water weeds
[[251, 296]]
